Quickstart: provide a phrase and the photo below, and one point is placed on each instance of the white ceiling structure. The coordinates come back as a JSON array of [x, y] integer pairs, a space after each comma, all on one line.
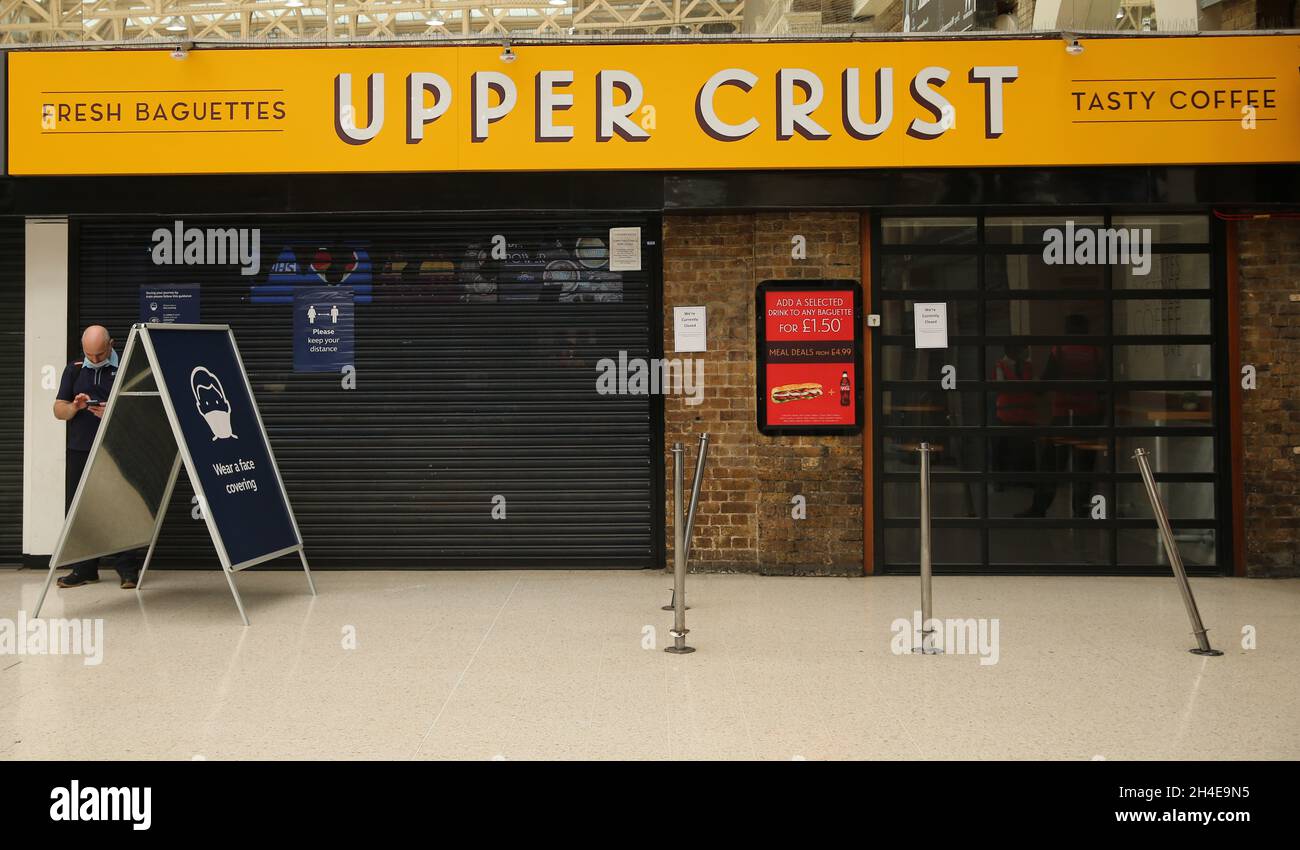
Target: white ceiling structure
[[116, 21]]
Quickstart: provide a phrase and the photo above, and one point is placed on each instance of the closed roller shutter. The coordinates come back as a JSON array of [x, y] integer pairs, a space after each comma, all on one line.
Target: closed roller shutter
[[12, 300], [475, 378]]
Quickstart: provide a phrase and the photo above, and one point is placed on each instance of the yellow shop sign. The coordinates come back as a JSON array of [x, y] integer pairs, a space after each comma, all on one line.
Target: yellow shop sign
[[863, 104]]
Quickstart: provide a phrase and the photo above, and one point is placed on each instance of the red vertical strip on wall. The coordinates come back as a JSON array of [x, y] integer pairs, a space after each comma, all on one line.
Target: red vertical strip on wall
[[868, 457]]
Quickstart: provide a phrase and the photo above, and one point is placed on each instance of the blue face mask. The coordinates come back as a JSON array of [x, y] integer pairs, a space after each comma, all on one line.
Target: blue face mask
[[111, 361]]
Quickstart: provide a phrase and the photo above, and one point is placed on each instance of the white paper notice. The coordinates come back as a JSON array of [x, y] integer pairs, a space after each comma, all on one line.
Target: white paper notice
[[931, 322], [625, 249], [690, 329]]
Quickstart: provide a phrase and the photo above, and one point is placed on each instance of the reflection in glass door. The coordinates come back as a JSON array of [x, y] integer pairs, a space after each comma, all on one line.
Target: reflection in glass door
[[1059, 365]]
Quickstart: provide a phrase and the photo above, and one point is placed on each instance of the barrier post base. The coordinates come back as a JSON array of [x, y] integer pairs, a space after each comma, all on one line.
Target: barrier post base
[[671, 606], [679, 646], [927, 646]]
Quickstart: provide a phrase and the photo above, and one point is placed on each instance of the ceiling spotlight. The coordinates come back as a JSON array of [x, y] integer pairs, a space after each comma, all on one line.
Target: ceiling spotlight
[[507, 54], [177, 25], [294, 4], [182, 50], [1073, 46], [1119, 14], [558, 2]]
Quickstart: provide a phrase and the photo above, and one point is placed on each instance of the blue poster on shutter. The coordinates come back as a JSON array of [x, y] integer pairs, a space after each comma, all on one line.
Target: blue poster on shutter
[[218, 420], [323, 322], [165, 305], [329, 264]]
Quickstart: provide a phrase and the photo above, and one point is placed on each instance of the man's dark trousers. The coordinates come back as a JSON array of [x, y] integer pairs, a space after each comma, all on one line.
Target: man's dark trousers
[[126, 563]]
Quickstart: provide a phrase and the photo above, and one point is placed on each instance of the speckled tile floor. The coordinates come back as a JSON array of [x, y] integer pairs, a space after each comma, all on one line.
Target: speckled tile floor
[[527, 665]]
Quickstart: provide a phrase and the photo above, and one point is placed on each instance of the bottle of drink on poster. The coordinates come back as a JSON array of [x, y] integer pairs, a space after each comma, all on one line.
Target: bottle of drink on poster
[[845, 389]]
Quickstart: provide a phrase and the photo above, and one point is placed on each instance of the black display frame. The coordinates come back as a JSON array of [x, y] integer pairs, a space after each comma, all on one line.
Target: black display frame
[[760, 357]]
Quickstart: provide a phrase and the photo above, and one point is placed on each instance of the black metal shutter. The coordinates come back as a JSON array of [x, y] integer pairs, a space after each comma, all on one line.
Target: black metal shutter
[[13, 289], [475, 377]]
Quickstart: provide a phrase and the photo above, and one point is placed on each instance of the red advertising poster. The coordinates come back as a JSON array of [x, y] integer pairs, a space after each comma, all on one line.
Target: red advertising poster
[[808, 357]]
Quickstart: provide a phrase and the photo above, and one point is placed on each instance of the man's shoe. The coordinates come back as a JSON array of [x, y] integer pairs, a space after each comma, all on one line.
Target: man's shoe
[[129, 581], [76, 579]]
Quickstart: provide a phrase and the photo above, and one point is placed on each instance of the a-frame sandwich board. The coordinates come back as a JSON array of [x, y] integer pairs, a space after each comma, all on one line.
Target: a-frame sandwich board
[[181, 396]]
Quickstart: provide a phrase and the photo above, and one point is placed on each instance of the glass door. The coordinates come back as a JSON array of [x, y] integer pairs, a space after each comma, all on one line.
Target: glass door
[[1073, 340]]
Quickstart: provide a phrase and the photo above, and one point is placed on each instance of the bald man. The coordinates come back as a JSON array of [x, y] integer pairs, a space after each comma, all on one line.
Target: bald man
[[80, 402]]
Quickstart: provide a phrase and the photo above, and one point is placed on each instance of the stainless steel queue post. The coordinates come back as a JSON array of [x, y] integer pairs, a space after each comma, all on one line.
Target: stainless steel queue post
[[1175, 559], [927, 646], [682, 528], [679, 646], [700, 459]]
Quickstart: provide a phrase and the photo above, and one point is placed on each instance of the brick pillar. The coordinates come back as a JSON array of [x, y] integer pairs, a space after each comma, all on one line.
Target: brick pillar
[[826, 471], [709, 260], [1269, 284], [744, 521]]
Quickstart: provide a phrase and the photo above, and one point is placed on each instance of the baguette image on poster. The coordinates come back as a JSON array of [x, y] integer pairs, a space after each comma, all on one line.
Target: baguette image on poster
[[809, 357], [796, 392]]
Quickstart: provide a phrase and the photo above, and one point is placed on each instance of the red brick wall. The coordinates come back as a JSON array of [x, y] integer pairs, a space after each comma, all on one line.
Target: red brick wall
[[1252, 15], [1237, 15], [1269, 282], [710, 260], [744, 520], [890, 20]]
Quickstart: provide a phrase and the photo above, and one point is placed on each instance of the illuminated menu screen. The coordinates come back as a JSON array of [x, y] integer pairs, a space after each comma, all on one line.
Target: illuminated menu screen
[[809, 352]]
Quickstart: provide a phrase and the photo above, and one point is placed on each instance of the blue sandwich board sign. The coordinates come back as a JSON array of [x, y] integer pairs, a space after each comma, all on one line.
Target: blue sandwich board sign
[[186, 382], [213, 408]]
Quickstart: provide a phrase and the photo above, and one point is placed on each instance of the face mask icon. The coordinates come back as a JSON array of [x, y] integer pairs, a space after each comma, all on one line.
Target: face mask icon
[[210, 399]]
